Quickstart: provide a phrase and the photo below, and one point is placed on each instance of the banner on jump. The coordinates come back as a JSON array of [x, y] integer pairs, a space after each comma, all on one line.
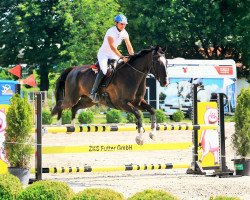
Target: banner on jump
[[208, 153]]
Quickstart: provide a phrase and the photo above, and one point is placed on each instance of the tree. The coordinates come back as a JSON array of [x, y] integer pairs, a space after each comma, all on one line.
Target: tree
[[47, 33], [214, 29], [34, 33], [91, 19]]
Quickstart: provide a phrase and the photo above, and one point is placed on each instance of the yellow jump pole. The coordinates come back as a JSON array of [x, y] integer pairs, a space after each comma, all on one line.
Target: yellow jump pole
[[107, 128], [130, 167]]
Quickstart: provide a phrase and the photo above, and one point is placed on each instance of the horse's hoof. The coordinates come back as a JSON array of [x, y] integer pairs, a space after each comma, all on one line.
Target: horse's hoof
[[139, 140], [152, 136]]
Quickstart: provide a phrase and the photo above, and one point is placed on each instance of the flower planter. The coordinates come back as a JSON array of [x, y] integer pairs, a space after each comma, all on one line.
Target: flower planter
[[242, 166], [22, 173]]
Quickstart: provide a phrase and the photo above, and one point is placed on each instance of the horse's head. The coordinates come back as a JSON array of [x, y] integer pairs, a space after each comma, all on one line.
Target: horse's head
[[159, 66]]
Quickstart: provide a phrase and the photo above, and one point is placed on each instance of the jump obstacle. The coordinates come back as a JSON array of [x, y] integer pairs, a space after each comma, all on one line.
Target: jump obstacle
[[115, 128], [194, 168], [129, 167]]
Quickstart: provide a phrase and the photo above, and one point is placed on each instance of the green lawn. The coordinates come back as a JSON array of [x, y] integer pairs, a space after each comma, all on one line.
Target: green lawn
[[229, 119]]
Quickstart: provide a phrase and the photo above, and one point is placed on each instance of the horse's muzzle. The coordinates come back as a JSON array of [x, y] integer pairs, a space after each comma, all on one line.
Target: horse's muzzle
[[165, 83]]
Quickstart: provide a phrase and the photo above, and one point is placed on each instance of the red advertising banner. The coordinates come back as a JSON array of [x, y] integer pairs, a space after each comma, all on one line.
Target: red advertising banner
[[224, 70]]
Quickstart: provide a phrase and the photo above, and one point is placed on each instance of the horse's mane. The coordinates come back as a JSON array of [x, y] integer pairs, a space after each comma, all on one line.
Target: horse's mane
[[132, 58], [140, 54]]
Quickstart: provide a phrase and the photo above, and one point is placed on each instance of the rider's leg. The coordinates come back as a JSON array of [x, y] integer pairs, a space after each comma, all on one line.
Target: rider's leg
[[94, 90], [103, 65]]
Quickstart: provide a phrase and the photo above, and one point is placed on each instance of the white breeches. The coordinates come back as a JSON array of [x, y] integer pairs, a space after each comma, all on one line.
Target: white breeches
[[103, 61]]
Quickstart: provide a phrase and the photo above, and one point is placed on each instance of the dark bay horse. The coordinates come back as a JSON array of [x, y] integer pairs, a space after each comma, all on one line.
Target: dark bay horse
[[125, 91]]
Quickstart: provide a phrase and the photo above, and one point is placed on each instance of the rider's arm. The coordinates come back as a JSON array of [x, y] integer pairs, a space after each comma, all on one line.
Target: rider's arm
[[112, 46], [129, 46], [115, 50]]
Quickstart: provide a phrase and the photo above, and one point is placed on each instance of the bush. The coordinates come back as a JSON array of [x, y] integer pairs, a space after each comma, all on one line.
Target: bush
[[19, 140], [86, 117], [131, 117], [224, 198], [114, 116], [241, 136], [162, 97], [160, 116], [66, 117], [153, 194], [46, 117], [10, 186], [47, 190], [98, 194], [178, 116]]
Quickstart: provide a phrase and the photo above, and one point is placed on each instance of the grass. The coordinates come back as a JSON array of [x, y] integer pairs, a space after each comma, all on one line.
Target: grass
[[99, 119], [229, 118]]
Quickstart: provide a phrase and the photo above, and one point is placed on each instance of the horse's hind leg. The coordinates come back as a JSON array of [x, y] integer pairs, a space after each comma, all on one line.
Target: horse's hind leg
[[57, 110], [84, 102], [71, 98], [74, 110], [59, 118], [145, 106]]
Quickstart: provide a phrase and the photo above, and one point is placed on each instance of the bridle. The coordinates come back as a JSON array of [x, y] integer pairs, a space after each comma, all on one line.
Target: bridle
[[153, 66], [149, 69]]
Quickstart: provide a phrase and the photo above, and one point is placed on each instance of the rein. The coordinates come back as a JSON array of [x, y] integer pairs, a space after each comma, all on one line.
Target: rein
[[139, 71]]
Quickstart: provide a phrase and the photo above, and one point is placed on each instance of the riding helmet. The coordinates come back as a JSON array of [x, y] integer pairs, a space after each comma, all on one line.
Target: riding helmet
[[121, 19]]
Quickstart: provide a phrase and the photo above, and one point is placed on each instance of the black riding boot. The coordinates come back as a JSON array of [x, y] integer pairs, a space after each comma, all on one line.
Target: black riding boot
[[98, 80]]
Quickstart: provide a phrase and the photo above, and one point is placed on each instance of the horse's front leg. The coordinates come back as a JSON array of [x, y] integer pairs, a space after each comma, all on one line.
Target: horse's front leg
[[145, 106], [130, 108]]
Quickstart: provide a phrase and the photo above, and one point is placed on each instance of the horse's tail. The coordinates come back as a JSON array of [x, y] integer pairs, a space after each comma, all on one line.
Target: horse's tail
[[59, 91]]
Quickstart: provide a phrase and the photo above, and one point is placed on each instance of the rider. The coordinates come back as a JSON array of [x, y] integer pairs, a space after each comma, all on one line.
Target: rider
[[113, 38]]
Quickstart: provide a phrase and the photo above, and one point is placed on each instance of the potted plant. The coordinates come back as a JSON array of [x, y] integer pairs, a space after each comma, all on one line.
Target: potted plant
[[18, 143], [241, 136]]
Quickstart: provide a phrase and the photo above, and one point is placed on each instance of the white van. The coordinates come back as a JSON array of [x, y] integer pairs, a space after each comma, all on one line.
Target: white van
[[214, 76]]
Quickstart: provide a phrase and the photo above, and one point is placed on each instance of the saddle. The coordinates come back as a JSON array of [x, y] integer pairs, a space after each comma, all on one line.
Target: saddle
[[111, 67], [106, 80], [112, 63]]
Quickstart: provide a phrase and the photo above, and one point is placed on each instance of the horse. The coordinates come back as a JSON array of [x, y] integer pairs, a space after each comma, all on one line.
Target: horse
[[125, 90], [203, 95], [185, 90]]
